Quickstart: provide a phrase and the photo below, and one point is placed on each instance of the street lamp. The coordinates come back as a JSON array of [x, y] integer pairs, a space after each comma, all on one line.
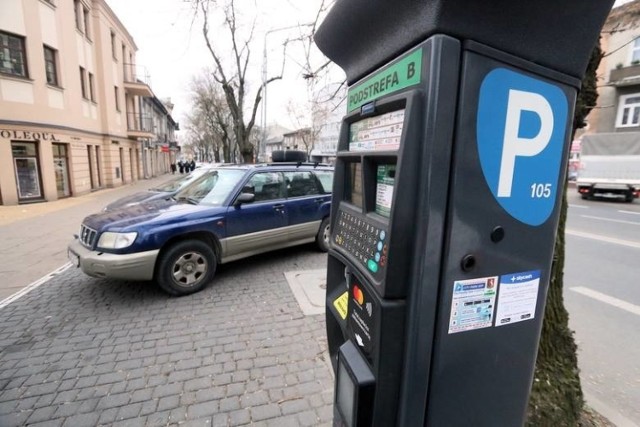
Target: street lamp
[[263, 118]]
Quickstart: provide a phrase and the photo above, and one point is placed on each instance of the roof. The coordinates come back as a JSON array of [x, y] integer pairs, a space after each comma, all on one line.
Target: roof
[[627, 15]]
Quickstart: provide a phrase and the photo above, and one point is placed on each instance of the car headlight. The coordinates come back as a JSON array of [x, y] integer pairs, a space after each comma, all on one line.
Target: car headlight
[[111, 240]]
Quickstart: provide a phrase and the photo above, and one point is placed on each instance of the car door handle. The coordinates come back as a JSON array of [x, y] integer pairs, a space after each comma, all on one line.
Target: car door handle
[[278, 207], [319, 201]]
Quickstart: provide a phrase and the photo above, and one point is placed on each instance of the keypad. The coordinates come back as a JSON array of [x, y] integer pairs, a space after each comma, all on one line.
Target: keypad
[[366, 242]]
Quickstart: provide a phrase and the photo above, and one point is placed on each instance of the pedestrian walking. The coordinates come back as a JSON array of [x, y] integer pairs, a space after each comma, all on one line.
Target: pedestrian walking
[[173, 168], [181, 166], [192, 165]]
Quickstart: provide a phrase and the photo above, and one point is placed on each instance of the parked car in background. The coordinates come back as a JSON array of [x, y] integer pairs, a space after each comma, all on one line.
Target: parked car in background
[[162, 191], [225, 214]]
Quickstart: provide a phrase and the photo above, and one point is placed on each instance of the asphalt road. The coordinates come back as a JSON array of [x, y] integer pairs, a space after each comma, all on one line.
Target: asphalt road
[[602, 295]]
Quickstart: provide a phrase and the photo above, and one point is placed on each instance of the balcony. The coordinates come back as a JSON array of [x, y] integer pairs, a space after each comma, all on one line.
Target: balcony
[[625, 76], [137, 81], [139, 125]]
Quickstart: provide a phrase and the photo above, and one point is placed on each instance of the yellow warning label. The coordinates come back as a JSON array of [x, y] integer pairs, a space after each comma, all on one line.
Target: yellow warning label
[[341, 304]]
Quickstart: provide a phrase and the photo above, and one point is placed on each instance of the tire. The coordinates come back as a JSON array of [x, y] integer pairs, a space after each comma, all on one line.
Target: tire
[[584, 196], [186, 267], [323, 236], [629, 197]]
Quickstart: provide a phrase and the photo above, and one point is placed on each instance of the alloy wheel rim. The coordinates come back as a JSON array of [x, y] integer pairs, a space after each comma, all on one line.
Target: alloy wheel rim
[[189, 269]]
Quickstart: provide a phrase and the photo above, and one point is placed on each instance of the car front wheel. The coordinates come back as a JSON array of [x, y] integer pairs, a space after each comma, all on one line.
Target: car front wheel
[[186, 267], [324, 234]]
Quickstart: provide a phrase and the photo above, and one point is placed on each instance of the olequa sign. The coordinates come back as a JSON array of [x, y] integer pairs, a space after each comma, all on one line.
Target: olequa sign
[[25, 135]]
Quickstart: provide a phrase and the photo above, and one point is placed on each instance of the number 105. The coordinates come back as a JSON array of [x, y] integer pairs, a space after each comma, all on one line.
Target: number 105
[[540, 191]]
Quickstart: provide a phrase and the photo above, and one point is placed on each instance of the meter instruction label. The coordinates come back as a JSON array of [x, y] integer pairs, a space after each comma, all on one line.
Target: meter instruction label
[[473, 303], [518, 297], [521, 129], [402, 73], [341, 305]]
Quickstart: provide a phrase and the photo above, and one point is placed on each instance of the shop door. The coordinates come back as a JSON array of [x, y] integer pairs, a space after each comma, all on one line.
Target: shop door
[[61, 167]]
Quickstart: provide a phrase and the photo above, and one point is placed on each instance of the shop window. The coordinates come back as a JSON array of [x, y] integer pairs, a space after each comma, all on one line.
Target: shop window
[[51, 65], [13, 56], [27, 170]]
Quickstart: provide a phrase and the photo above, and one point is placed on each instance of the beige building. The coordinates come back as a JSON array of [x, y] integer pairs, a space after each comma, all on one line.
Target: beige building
[[618, 107], [76, 112]]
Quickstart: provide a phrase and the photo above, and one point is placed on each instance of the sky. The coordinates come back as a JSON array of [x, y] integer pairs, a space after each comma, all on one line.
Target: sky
[[172, 48]]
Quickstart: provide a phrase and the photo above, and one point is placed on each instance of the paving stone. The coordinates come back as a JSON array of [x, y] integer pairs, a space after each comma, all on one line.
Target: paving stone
[[133, 356], [82, 420]]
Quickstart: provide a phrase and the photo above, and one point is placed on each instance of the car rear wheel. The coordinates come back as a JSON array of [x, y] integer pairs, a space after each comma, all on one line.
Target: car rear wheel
[[186, 267], [324, 234]]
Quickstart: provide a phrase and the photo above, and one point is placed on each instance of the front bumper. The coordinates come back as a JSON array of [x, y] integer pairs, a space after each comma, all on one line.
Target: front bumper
[[135, 266]]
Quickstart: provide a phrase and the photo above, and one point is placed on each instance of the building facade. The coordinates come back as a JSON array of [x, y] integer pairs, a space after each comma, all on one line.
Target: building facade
[[618, 107], [76, 112]]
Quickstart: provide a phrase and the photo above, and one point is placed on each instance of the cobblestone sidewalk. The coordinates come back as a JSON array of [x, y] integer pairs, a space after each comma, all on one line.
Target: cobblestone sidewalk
[[79, 351]]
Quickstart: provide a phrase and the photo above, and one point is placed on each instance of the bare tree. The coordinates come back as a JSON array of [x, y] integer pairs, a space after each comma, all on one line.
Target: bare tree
[[233, 79], [324, 94], [209, 124]]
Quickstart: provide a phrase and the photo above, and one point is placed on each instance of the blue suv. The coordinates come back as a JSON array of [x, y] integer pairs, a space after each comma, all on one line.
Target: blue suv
[[228, 213]]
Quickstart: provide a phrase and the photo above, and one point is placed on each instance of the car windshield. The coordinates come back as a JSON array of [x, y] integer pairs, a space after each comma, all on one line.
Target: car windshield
[[180, 182], [211, 188]]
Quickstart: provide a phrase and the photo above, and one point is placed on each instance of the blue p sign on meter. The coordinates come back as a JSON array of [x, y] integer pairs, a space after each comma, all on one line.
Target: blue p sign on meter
[[521, 126]]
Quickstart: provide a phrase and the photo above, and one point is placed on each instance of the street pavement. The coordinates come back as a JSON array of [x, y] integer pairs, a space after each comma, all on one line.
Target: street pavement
[[79, 351]]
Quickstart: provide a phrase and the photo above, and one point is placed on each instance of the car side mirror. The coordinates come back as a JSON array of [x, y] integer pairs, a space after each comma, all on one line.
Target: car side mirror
[[244, 198]]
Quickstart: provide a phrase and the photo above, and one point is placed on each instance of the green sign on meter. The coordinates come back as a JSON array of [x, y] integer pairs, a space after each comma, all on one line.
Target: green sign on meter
[[402, 73]]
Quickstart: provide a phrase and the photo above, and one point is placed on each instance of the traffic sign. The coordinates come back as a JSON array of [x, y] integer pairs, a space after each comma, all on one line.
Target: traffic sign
[[521, 127]]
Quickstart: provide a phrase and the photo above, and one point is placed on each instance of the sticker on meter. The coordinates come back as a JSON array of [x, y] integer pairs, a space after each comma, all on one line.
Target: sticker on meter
[[473, 303], [341, 304], [521, 131]]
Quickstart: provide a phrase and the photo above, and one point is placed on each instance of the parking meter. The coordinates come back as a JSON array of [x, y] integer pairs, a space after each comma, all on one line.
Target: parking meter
[[446, 198]]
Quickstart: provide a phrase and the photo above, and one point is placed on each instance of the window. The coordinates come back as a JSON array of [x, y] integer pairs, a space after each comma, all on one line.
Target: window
[[113, 45], [629, 110], [76, 11], [92, 93], [12, 55], [117, 97], [635, 51], [86, 20], [83, 83], [50, 65], [301, 184], [265, 186]]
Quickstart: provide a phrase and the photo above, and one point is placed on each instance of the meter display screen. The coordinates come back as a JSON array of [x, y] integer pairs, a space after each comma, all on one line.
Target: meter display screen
[[379, 133], [385, 180], [355, 184]]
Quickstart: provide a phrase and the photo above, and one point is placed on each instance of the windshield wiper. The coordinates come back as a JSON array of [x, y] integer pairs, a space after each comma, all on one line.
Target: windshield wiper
[[190, 200]]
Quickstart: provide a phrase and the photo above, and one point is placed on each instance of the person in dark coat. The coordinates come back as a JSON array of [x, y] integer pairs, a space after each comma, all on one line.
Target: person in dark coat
[[181, 166], [173, 168], [192, 165]]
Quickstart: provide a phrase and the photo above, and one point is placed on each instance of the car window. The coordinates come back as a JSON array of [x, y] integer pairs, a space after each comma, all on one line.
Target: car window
[[301, 183], [326, 180], [266, 186], [211, 188]]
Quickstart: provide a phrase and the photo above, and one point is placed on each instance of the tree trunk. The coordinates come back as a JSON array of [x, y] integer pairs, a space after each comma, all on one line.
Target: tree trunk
[[556, 396]]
